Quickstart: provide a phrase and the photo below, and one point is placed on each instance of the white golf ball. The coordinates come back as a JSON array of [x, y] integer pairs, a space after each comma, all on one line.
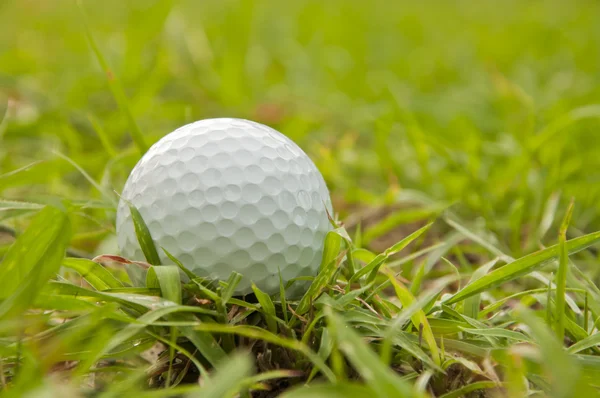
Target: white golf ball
[[225, 195]]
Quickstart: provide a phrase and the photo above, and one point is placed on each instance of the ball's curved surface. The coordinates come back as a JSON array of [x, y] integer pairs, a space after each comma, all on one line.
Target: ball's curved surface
[[225, 195]]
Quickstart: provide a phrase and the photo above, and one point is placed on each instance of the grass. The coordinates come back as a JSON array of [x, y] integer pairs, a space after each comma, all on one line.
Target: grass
[[458, 143]]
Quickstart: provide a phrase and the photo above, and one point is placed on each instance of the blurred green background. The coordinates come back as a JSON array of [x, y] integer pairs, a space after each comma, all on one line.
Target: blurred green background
[[487, 105]]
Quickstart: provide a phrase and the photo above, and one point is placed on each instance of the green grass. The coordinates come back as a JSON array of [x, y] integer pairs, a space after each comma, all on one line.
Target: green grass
[[452, 135]]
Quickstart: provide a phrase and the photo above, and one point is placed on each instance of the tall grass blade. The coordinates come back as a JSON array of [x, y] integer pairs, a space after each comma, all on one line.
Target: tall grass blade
[[144, 237], [561, 275], [95, 274], [522, 266], [33, 259], [268, 308], [114, 84], [419, 319]]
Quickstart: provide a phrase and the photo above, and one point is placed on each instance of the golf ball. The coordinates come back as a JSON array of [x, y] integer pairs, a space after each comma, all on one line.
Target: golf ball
[[225, 195]]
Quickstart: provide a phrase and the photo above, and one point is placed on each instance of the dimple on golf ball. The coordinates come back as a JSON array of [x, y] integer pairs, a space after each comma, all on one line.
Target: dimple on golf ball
[[225, 195]]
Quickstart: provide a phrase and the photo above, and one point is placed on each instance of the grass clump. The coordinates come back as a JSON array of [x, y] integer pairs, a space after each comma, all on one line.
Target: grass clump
[[355, 324]]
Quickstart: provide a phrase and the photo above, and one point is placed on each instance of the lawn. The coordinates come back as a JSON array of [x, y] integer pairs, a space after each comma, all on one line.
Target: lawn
[[459, 141]]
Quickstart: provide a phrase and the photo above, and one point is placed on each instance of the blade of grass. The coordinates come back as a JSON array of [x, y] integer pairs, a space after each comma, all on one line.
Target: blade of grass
[[114, 84], [19, 205], [329, 266], [498, 332], [419, 275], [561, 275], [182, 350], [95, 274], [419, 318], [471, 305], [12, 173], [107, 195], [166, 278], [548, 215], [325, 348], [374, 265], [383, 381], [284, 307], [399, 218], [137, 302], [104, 139], [476, 237], [144, 237], [186, 271], [395, 326], [522, 266], [588, 342], [268, 308], [422, 382], [226, 293], [494, 306], [33, 259]]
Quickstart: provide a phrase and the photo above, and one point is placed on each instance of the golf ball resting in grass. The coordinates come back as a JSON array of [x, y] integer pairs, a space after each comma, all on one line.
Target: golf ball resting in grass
[[225, 195]]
